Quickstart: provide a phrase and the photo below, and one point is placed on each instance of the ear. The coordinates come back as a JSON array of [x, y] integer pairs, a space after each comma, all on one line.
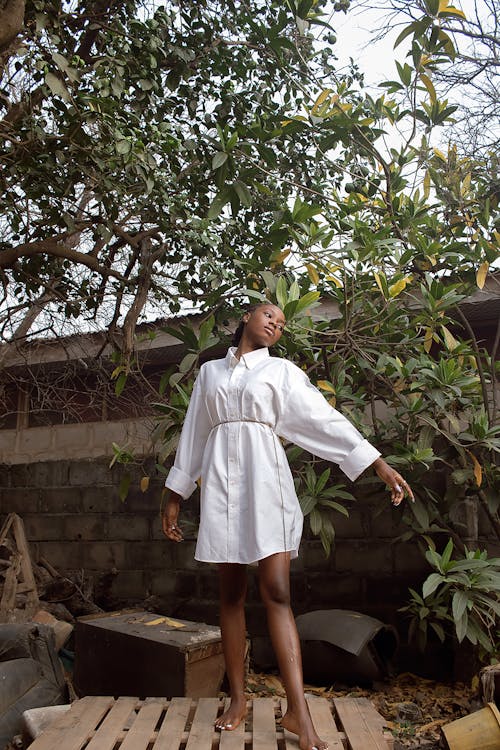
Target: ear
[[246, 317]]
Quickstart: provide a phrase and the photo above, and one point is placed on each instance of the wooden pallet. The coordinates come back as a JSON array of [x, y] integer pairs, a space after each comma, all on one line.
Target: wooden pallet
[[101, 723]]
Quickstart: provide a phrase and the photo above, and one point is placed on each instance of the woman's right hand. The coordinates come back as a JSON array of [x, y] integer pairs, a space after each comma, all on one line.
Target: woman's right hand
[[169, 518]]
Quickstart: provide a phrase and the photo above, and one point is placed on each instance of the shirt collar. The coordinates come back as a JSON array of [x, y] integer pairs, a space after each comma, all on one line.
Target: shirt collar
[[250, 359]]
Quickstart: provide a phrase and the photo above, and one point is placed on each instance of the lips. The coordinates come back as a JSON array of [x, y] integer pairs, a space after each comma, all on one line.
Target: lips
[[269, 331]]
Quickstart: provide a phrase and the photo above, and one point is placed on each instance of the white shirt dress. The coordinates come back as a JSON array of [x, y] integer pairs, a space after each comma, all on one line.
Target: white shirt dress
[[238, 412]]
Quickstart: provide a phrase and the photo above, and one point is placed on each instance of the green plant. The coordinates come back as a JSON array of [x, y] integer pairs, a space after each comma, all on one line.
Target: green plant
[[460, 599], [316, 499]]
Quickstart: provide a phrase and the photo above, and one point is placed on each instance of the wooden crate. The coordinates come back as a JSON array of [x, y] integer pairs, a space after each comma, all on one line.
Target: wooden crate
[[102, 723], [140, 653]]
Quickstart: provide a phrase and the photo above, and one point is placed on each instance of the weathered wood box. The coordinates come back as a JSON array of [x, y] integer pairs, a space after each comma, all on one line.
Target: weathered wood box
[[143, 654]]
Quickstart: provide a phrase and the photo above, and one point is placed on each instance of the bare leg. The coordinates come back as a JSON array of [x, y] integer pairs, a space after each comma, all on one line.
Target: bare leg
[[233, 589], [274, 579]]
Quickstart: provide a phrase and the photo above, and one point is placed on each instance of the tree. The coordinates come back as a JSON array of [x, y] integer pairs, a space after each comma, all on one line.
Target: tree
[[469, 77], [124, 136]]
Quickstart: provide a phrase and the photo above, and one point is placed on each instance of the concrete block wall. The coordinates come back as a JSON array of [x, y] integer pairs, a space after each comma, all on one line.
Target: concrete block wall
[[74, 519]]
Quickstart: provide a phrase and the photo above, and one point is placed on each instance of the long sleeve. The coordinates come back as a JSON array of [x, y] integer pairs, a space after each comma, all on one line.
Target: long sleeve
[[189, 456], [307, 419]]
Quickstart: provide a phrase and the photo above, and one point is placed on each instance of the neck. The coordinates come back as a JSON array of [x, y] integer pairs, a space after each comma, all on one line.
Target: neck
[[244, 347]]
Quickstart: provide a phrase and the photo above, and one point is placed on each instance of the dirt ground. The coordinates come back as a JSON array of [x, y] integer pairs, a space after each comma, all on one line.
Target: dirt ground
[[415, 708]]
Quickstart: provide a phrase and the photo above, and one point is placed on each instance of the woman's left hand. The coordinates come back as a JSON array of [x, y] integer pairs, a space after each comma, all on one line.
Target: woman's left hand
[[398, 486]]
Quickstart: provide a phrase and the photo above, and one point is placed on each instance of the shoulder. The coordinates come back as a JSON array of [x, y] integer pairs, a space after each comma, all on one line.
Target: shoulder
[[211, 366], [288, 370]]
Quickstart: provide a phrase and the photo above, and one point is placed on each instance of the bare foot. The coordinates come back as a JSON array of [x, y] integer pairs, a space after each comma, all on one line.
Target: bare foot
[[234, 715], [308, 739]]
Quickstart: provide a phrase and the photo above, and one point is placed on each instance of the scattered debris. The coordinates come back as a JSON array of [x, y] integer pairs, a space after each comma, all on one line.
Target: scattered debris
[[438, 704]]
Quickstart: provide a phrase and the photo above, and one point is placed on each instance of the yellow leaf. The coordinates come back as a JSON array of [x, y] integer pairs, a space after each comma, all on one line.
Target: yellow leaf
[[319, 101], [144, 484], [449, 339], [279, 257], [313, 274], [443, 4], [428, 339], [332, 401], [427, 184], [336, 281], [478, 472], [429, 86], [399, 286], [440, 154], [481, 274], [325, 386], [496, 235], [453, 11], [465, 184], [379, 283]]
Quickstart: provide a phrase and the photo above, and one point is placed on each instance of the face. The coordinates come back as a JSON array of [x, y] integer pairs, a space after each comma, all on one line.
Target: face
[[264, 325]]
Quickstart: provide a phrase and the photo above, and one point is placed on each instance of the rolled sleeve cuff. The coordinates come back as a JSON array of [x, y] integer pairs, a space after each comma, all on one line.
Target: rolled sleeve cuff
[[178, 481], [359, 459]]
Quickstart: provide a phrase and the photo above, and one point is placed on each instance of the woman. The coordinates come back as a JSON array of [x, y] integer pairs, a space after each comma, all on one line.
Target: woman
[[249, 512]]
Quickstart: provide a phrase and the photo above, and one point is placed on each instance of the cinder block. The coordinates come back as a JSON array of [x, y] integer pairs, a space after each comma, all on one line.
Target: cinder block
[[129, 584], [408, 558], [101, 500], [103, 556], [354, 526], [20, 500], [87, 527], [92, 473], [128, 527], [61, 554], [361, 556], [314, 556], [167, 583], [184, 556], [385, 521], [44, 526], [60, 500], [150, 554]]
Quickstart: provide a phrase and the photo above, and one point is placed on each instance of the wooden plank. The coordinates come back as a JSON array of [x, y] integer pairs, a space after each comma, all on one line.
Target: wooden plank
[[235, 739], [173, 727], [202, 731], [72, 730], [26, 567], [291, 739], [324, 723], [264, 724], [10, 587], [113, 724], [362, 724], [140, 734]]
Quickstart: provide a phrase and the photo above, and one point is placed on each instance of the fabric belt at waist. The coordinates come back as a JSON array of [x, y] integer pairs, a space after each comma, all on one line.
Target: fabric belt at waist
[[233, 421]]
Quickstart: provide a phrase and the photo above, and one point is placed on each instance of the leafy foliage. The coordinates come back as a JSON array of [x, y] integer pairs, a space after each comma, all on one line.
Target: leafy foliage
[[461, 598]]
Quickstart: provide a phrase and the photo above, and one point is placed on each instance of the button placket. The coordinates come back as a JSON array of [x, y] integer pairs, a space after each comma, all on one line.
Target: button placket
[[233, 488]]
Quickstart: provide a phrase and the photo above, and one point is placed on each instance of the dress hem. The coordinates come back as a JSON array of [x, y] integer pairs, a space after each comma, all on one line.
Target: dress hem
[[293, 554]]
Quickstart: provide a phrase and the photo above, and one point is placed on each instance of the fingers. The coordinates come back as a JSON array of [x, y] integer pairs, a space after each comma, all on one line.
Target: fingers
[[400, 488], [172, 530]]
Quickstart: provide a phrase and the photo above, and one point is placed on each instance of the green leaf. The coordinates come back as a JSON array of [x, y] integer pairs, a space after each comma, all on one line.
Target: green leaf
[[221, 199], [120, 383], [431, 584], [243, 193], [281, 292], [459, 604], [219, 159], [124, 487], [316, 521], [57, 86], [307, 504]]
